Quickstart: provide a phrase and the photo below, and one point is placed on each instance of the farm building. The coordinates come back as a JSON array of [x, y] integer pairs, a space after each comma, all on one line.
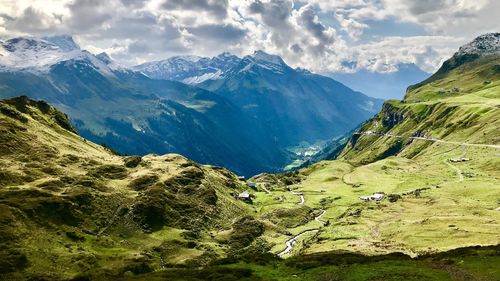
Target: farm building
[[252, 184], [377, 196], [244, 196]]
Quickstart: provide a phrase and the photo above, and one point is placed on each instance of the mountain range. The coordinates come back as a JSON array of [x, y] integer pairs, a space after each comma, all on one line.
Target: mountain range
[[241, 113], [412, 195]]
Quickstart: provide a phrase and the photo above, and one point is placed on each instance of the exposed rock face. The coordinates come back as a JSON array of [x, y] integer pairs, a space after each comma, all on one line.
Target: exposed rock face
[[391, 116], [482, 45]]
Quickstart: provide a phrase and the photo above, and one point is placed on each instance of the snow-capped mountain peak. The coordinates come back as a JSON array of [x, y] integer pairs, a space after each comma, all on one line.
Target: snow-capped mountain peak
[[65, 42], [187, 58], [262, 60], [262, 56], [190, 69], [32, 53], [483, 45], [25, 44], [105, 58], [38, 55]]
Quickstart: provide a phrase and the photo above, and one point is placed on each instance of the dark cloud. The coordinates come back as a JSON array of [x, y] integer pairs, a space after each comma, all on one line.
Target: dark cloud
[[6, 17], [418, 7], [274, 14], [216, 7], [155, 47], [296, 49], [225, 33], [86, 14], [134, 3], [310, 22], [137, 25], [33, 21]]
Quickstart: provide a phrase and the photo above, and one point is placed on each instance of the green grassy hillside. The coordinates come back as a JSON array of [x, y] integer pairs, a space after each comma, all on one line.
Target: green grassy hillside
[[70, 207], [435, 155], [73, 210]]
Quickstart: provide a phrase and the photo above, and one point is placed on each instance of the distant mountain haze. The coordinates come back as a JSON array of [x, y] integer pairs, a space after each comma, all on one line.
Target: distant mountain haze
[[386, 85]]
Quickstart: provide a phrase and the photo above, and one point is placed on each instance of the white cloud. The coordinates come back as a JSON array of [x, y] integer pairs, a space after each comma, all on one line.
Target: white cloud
[[321, 35]]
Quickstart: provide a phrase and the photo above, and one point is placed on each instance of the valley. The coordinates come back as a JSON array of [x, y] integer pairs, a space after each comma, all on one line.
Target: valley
[[413, 194], [245, 114]]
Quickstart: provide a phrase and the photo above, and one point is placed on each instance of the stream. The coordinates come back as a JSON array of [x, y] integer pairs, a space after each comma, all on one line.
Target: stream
[[318, 218], [302, 199], [291, 242]]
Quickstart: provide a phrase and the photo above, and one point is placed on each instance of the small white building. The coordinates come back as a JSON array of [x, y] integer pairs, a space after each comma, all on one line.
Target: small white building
[[244, 196], [252, 184], [377, 196]]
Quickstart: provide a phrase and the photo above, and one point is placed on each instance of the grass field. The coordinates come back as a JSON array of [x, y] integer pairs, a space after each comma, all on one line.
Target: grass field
[[431, 204]]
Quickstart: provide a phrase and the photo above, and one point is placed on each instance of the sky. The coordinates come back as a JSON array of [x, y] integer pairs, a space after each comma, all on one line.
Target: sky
[[319, 35]]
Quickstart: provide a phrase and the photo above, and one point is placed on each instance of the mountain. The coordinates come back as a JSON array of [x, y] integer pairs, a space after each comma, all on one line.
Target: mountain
[[413, 195], [136, 114], [421, 177], [300, 105], [67, 201], [484, 46], [387, 85], [82, 202], [189, 69], [132, 113]]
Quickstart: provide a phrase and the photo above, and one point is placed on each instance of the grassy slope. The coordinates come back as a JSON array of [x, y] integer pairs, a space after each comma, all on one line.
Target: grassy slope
[[443, 205], [71, 207], [463, 264], [112, 220]]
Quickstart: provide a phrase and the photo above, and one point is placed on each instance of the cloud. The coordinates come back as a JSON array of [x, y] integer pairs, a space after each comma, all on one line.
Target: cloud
[[352, 27], [217, 8], [273, 13], [87, 14], [225, 33], [321, 35], [33, 21], [384, 55], [134, 3]]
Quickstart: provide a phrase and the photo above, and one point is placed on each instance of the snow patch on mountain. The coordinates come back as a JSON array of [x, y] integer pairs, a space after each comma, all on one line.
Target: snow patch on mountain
[[112, 64], [38, 55], [485, 44], [189, 69], [65, 42], [263, 57], [204, 77]]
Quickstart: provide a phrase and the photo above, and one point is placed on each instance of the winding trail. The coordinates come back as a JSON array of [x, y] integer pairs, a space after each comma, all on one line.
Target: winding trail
[[291, 242], [302, 199], [318, 218], [265, 189], [369, 133], [459, 172]]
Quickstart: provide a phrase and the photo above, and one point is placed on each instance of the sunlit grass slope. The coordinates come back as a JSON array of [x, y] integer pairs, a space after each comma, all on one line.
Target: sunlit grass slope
[[70, 207]]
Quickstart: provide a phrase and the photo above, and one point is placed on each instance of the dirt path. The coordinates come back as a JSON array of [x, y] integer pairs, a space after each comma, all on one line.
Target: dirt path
[[430, 139], [302, 199], [318, 218], [459, 172], [291, 242], [265, 189]]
